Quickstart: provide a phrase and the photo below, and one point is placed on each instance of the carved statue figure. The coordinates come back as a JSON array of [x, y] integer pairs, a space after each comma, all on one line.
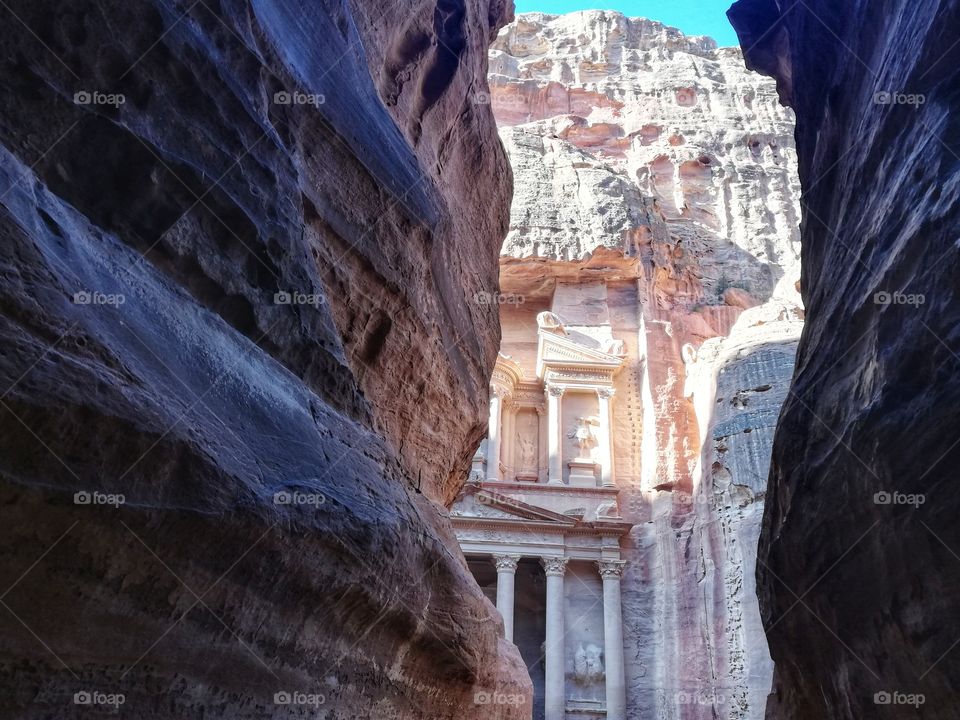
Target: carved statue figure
[[608, 510], [528, 453], [583, 435], [551, 321], [612, 346], [588, 664]]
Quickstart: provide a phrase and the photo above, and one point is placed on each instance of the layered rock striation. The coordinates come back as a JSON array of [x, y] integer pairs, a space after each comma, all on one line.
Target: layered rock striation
[[858, 569], [656, 203], [242, 362], [673, 119]]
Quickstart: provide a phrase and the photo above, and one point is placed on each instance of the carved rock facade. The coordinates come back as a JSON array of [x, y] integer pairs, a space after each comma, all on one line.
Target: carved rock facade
[[654, 220]]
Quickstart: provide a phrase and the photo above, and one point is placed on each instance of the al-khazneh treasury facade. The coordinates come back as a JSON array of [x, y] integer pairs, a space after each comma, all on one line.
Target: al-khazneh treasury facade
[[655, 219], [542, 498]]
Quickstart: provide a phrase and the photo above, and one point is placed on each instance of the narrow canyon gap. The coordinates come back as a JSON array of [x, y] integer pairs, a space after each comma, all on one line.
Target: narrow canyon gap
[[650, 315], [859, 572]]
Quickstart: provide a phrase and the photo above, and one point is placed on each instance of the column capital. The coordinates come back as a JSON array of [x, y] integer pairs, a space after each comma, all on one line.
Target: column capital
[[498, 391], [555, 390], [611, 568], [605, 392], [506, 563], [554, 565]]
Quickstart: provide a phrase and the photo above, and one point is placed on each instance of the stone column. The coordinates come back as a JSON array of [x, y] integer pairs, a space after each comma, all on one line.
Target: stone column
[[605, 437], [506, 572], [542, 453], [493, 434], [610, 571], [508, 416], [554, 435], [555, 691]]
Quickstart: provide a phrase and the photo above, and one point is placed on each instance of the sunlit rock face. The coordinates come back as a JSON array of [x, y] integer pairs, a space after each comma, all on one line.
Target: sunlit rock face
[[242, 365], [656, 203], [676, 117], [859, 577]]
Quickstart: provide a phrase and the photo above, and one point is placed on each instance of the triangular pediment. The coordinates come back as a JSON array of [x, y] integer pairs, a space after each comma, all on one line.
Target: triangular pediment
[[559, 351], [485, 504]]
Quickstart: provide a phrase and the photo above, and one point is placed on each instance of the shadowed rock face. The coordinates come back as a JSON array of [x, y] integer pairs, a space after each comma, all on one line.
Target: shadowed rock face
[[859, 590], [253, 273]]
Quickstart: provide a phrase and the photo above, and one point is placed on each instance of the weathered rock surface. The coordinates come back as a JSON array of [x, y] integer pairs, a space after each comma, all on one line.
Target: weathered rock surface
[[656, 202], [252, 276], [858, 580], [677, 118]]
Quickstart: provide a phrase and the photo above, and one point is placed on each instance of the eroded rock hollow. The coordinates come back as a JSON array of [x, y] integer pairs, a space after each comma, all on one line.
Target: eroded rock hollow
[[240, 365], [859, 573]]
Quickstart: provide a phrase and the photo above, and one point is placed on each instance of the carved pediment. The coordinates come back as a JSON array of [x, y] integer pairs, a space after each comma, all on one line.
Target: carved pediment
[[485, 504], [474, 507], [561, 355]]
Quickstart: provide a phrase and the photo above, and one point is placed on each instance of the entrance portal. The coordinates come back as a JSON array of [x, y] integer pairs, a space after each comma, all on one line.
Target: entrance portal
[[530, 612]]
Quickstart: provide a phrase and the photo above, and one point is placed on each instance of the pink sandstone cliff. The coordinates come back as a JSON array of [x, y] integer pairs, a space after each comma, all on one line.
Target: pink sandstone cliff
[[656, 201]]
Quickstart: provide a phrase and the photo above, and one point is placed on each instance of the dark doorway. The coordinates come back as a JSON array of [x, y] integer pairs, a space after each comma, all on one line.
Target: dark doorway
[[529, 615]]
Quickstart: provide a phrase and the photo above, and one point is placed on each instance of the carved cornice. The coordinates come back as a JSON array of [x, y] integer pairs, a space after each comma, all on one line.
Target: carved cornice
[[579, 377], [466, 522], [533, 489], [555, 566], [608, 530], [506, 563], [611, 568], [529, 395]]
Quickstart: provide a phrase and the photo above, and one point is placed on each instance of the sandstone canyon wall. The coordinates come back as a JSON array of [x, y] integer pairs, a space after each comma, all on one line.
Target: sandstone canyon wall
[[240, 246], [859, 574], [656, 203]]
